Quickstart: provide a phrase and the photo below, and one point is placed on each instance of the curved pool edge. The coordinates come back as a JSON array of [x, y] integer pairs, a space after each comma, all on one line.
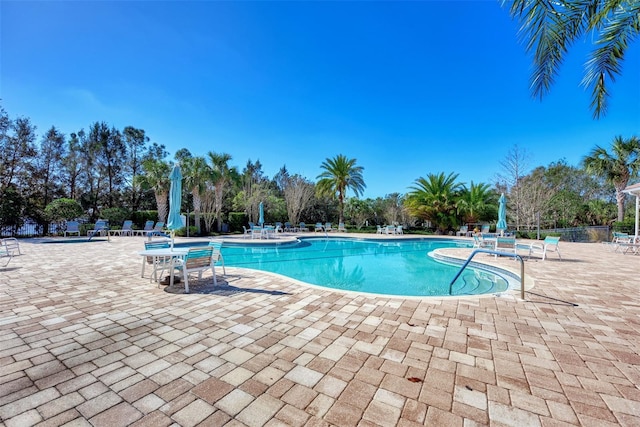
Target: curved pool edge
[[441, 256]]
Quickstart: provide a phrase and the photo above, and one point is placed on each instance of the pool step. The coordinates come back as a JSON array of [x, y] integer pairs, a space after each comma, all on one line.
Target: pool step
[[475, 282]]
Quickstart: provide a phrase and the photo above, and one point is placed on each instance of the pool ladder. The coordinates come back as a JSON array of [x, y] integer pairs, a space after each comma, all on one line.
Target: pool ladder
[[488, 251]]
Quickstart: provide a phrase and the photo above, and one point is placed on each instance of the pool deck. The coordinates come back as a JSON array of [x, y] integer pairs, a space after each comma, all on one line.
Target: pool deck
[[85, 341]]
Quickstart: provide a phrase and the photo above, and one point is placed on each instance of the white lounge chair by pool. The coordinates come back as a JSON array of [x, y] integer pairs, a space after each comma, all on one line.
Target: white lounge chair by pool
[[549, 244]]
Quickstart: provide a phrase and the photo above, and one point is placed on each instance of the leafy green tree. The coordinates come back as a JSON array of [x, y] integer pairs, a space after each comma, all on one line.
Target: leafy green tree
[[616, 167], [358, 211], [135, 141], [476, 201], [11, 207], [340, 175], [223, 178], [196, 173], [72, 167], [434, 198], [156, 178], [63, 210], [550, 28], [17, 150]]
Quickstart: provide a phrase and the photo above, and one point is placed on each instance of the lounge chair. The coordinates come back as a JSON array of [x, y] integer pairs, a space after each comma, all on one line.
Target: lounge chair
[[217, 254], [11, 245], [100, 228], [327, 227], [303, 227], [125, 230], [341, 227], [549, 244], [319, 227], [484, 229], [399, 230], [505, 244], [464, 229], [197, 260], [148, 226], [6, 250], [278, 228], [288, 227], [246, 232], [158, 230], [379, 230], [73, 227]]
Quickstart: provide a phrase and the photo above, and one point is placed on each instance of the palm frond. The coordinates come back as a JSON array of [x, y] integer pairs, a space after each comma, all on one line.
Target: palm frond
[[605, 62]]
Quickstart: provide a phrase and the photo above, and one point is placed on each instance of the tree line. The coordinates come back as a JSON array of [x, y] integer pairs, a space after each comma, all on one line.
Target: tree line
[[114, 174]]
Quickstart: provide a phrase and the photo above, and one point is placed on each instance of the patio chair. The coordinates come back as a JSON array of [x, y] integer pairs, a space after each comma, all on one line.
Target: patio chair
[[327, 227], [217, 254], [341, 227], [158, 263], [464, 229], [157, 230], [125, 230], [4, 253], [399, 230], [549, 244], [319, 227], [246, 232], [303, 227], [390, 229], [481, 243], [505, 244], [256, 231], [197, 260], [10, 244], [484, 229], [379, 230], [288, 227], [148, 226], [278, 228], [100, 228], [73, 227]]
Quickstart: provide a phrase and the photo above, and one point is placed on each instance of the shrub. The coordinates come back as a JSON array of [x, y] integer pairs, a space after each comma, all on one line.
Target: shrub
[[63, 210]]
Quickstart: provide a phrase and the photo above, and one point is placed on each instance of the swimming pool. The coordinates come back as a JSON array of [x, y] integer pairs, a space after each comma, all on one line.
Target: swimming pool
[[391, 267]]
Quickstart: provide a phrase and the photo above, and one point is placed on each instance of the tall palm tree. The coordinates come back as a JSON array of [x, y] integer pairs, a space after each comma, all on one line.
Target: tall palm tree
[[434, 199], [196, 172], [549, 28], [156, 178], [222, 177], [617, 167], [340, 174], [474, 201]]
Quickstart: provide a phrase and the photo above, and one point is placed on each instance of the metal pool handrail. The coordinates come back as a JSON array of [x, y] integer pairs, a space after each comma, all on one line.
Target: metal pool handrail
[[488, 251]]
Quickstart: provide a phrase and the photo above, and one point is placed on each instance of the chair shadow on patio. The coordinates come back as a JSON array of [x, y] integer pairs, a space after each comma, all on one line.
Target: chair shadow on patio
[[223, 288]]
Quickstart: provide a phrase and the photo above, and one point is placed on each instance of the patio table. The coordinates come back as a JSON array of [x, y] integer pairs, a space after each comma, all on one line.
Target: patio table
[[161, 253]]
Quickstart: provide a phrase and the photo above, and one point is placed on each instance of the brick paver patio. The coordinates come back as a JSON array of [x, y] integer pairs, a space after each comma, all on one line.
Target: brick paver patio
[[84, 340]]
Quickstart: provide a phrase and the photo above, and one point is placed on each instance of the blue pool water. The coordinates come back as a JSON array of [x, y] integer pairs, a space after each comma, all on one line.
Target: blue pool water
[[400, 267]]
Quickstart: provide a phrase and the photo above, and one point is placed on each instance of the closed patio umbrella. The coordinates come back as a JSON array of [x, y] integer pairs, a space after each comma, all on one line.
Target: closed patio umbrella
[[502, 214], [174, 221], [261, 209]]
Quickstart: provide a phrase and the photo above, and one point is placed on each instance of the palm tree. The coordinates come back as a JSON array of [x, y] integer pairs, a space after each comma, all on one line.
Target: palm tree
[[223, 176], [156, 178], [340, 174], [617, 167], [473, 202], [434, 199], [549, 28], [196, 174]]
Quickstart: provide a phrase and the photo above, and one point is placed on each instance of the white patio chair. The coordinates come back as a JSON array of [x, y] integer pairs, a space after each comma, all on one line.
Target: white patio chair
[[197, 260], [549, 244]]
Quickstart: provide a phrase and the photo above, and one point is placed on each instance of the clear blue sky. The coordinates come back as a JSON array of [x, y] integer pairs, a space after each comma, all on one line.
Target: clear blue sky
[[406, 88]]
